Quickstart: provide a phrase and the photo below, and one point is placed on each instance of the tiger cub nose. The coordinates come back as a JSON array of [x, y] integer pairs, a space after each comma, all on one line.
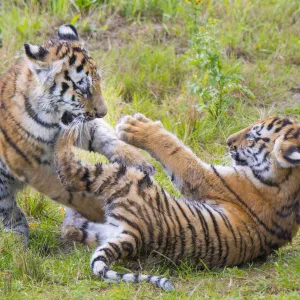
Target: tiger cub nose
[[229, 142]]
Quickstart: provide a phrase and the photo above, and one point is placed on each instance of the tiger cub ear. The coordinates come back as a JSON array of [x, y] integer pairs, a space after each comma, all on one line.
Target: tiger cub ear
[[67, 32], [36, 53], [40, 64], [287, 152]]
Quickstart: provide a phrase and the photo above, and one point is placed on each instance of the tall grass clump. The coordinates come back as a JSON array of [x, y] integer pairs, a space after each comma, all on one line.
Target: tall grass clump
[[212, 82]]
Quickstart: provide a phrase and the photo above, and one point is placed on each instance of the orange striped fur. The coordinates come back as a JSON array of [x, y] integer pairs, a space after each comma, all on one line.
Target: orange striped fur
[[227, 216]]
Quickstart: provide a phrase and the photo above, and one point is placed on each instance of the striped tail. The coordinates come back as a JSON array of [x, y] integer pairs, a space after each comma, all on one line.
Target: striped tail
[[161, 282], [100, 268]]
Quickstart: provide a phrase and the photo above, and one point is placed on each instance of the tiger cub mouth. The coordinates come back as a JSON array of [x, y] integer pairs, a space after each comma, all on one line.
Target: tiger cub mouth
[[67, 118]]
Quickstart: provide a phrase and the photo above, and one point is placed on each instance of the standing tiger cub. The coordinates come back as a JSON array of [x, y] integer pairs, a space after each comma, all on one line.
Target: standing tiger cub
[[228, 216], [55, 87]]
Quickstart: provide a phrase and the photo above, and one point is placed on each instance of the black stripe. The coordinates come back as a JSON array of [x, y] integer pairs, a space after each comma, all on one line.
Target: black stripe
[[191, 228], [297, 134], [260, 240], [166, 235], [80, 67], [4, 173], [130, 223], [127, 247], [84, 235], [65, 87], [287, 210], [116, 249], [34, 115], [290, 131], [143, 183], [270, 126], [166, 201], [122, 192], [104, 185], [145, 219], [161, 220], [224, 259], [173, 239], [14, 146], [285, 123], [257, 175], [281, 232], [126, 206], [240, 248], [52, 88], [216, 228], [251, 241], [190, 207], [175, 151], [205, 229], [98, 170], [158, 202], [30, 135], [228, 225], [58, 48], [109, 254], [86, 179], [70, 198], [182, 237], [121, 172], [136, 239], [253, 214], [72, 60], [99, 258], [92, 134]]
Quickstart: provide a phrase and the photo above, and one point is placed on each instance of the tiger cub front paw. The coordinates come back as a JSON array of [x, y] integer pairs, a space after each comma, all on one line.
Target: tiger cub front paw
[[130, 156], [138, 130]]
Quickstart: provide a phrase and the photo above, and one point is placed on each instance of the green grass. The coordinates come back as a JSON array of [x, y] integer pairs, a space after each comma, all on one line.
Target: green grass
[[143, 48]]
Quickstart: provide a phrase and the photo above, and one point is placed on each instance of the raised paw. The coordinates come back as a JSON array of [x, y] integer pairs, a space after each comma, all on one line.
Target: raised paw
[[138, 130]]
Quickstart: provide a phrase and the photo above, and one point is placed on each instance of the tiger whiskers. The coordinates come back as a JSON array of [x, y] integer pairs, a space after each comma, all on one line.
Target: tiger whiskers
[[86, 130], [74, 131]]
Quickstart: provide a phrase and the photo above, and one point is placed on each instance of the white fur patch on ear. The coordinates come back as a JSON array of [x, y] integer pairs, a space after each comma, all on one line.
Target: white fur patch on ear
[[34, 49], [286, 153], [67, 32], [295, 156], [35, 52]]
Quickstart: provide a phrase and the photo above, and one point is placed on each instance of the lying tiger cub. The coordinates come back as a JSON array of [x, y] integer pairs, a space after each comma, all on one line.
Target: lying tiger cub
[[228, 216]]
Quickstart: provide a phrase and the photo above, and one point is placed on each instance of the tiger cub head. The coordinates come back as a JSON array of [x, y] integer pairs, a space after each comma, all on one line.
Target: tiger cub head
[[267, 146], [68, 83]]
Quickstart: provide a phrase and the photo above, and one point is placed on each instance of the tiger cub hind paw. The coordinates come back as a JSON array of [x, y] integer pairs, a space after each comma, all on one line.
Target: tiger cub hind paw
[[71, 233]]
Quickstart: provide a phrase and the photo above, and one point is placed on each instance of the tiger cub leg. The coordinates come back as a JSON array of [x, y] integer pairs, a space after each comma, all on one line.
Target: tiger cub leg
[[188, 173], [77, 177], [78, 229], [11, 216], [101, 137], [122, 246]]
